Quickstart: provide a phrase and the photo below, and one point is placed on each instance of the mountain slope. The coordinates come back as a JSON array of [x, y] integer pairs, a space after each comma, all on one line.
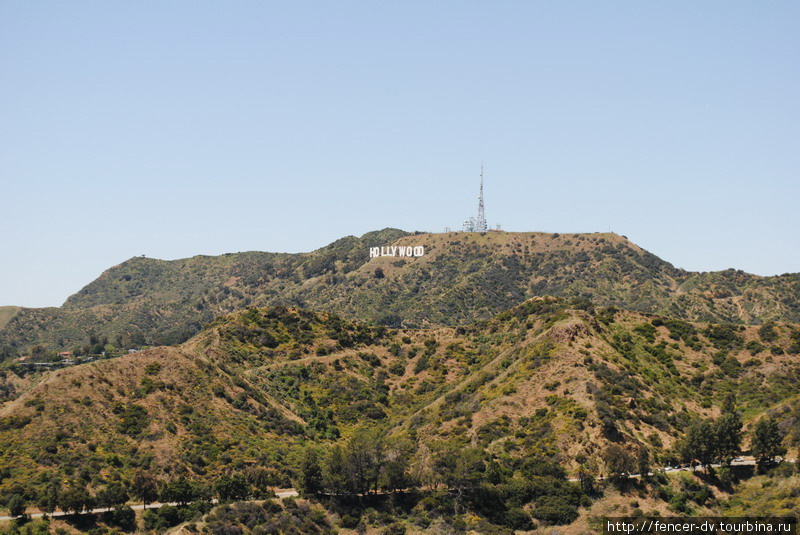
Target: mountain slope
[[543, 380], [463, 277], [6, 313]]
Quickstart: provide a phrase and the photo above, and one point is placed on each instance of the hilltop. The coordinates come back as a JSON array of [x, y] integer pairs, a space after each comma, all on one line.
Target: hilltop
[[462, 278]]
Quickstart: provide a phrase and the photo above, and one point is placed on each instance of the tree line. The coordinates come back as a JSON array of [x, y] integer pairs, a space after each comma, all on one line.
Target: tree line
[[75, 497], [464, 476], [456, 476], [707, 442]]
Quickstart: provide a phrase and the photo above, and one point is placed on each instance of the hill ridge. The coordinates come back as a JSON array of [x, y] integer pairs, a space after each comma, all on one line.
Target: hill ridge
[[462, 277]]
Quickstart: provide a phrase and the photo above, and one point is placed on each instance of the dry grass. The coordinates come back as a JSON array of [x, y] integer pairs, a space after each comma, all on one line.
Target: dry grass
[[6, 313]]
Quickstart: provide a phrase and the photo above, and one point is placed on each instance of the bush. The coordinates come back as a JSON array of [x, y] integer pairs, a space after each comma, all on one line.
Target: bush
[[395, 529], [162, 518], [349, 521], [785, 470], [724, 336], [517, 518], [726, 476], [767, 332], [124, 517], [16, 505], [555, 510], [680, 503], [646, 331], [422, 364], [134, 420]]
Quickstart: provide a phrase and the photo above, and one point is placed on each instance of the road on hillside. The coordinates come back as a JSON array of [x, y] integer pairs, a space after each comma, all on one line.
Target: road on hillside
[[749, 461], [286, 493], [283, 493]]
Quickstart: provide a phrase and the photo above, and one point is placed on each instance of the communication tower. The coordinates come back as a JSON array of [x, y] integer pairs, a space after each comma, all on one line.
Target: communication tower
[[477, 224], [480, 222]]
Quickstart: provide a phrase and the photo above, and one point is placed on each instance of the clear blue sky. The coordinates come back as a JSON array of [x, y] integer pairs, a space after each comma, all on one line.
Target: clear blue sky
[[179, 128]]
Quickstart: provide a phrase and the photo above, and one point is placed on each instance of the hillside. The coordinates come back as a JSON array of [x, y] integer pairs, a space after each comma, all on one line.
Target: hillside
[[462, 278], [6, 313], [542, 381]]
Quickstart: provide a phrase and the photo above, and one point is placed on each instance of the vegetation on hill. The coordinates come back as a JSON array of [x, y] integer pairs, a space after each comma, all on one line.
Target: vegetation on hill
[[463, 278], [481, 424]]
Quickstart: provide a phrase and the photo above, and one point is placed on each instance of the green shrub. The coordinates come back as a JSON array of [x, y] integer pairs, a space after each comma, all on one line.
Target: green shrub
[[518, 519], [395, 529], [133, 420], [767, 332], [725, 336], [555, 510], [646, 331]]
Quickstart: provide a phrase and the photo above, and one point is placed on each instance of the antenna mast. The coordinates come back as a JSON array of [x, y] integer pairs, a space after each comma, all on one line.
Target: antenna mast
[[480, 223]]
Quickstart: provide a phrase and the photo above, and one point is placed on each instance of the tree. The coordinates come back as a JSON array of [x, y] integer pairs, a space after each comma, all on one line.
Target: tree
[[643, 462], [334, 477], [423, 467], [700, 444], [260, 478], [48, 499], [363, 457], [728, 435], [619, 462], [113, 494], [75, 499], [729, 403], [586, 478], [178, 490], [233, 487], [766, 441], [396, 457], [462, 468], [16, 505], [310, 481], [496, 473], [728, 430], [145, 487], [203, 492]]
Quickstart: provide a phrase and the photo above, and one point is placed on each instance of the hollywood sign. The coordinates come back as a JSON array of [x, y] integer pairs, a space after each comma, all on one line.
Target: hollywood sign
[[396, 250]]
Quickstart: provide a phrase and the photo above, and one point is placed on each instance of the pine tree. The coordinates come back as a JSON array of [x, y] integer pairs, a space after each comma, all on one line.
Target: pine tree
[[334, 478], [310, 481], [766, 442], [145, 487]]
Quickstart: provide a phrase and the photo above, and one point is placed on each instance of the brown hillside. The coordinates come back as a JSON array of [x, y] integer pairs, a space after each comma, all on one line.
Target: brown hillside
[[542, 380], [462, 278], [6, 313]]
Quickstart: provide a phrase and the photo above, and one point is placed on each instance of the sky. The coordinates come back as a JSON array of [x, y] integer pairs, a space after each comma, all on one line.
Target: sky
[[179, 128]]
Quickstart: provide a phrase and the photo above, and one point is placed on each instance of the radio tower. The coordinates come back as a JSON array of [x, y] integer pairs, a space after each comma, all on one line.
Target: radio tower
[[480, 223]]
